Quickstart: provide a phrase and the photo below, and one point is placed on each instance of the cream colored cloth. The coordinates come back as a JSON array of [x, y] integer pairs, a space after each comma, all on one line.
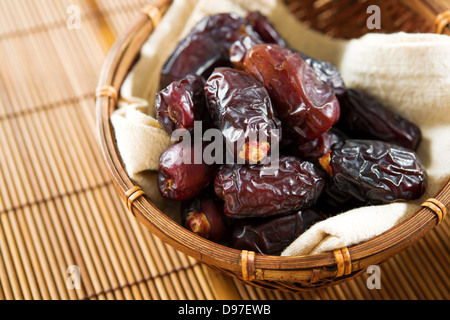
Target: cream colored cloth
[[408, 72]]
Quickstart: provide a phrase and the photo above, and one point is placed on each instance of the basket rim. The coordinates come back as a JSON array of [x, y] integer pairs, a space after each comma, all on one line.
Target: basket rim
[[373, 251]]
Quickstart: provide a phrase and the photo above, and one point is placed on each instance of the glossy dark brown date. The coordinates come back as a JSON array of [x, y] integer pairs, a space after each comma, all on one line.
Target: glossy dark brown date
[[240, 107], [375, 172], [364, 117], [180, 177], [270, 236], [252, 191], [182, 103], [305, 105]]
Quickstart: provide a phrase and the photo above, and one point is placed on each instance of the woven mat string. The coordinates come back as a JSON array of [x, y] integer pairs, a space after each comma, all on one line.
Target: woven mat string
[[437, 207], [107, 91], [131, 196], [343, 262], [248, 265], [441, 21]]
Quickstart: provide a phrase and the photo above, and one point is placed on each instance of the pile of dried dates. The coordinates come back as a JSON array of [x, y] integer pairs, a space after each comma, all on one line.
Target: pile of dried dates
[[294, 144]]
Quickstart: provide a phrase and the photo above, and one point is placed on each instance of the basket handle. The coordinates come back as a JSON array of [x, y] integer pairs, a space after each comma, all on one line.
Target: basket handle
[[436, 12]]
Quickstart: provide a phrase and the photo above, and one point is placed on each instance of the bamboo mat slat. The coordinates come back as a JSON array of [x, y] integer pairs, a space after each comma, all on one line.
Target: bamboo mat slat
[[59, 208]]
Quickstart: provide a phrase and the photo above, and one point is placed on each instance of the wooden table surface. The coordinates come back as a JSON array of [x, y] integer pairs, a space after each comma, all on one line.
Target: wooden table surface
[[64, 233]]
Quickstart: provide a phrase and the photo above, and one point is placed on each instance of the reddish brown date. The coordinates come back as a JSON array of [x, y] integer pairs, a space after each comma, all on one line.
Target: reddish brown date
[[375, 172], [240, 107], [182, 103], [251, 191], [305, 105], [204, 216], [364, 117], [326, 71], [270, 236], [180, 177]]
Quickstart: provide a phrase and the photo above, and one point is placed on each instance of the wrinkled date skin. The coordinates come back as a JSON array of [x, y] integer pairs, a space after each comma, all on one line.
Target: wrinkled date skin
[[270, 236], [375, 172], [249, 192], [204, 216], [305, 105], [205, 48], [240, 107], [364, 117], [180, 177], [182, 103], [326, 72]]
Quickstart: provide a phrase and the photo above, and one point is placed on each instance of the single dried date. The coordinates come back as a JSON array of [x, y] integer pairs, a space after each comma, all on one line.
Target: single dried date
[[197, 54], [180, 176], [207, 46], [249, 191], [182, 103], [326, 71], [270, 236], [203, 215], [306, 106], [240, 107], [364, 117], [375, 172]]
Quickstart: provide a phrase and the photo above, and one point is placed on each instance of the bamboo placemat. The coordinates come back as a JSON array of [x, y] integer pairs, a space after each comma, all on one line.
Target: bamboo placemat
[[59, 208]]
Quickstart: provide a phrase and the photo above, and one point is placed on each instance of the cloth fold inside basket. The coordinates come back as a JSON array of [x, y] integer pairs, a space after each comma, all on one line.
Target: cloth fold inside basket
[[409, 73]]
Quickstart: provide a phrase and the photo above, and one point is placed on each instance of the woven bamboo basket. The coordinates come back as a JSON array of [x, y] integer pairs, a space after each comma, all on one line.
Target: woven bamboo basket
[[340, 18]]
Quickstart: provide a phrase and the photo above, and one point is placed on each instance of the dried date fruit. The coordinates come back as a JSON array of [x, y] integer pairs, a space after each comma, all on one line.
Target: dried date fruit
[[306, 106], [240, 48], [225, 28], [364, 117], [204, 216], [182, 103], [312, 150], [240, 107], [375, 172], [251, 191], [326, 72], [264, 28], [270, 236], [198, 54], [182, 173]]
